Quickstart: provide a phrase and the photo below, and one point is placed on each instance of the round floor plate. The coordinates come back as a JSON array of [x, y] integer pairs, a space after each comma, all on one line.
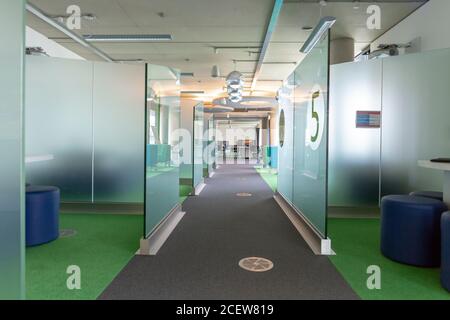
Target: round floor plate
[[256, 264], [67, 233], [244, 194]]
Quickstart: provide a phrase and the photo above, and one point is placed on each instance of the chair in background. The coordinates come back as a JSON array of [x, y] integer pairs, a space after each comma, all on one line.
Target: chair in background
[[410, 229]]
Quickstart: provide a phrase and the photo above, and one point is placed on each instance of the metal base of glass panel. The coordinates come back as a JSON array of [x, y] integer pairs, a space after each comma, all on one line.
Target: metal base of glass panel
[[199, 188], [318, 245], [151, 245]]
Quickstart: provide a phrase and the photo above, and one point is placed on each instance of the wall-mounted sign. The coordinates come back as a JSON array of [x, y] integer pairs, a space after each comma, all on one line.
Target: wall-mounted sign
[[368, 119]]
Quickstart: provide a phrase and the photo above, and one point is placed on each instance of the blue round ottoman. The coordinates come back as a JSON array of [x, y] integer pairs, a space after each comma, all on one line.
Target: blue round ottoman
[[42, 215], [410, 230], [445, 249], [429, 194]]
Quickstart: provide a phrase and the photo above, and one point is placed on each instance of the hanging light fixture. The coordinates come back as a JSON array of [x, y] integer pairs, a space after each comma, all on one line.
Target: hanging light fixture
[[235, 86]]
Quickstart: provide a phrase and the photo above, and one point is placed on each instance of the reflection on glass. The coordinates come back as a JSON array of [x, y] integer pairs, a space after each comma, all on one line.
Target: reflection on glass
[[162, 158]]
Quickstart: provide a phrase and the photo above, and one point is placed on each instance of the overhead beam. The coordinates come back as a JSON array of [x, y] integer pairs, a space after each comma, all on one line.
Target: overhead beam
[[59, 26], [278, 4]]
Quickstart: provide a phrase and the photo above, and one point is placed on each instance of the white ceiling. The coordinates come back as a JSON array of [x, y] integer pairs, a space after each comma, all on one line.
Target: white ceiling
[[197, 26]]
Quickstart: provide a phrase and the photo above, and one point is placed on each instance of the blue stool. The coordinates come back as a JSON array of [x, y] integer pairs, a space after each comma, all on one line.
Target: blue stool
[[445, 249], [42, 215], [429, 194], [410, 230]]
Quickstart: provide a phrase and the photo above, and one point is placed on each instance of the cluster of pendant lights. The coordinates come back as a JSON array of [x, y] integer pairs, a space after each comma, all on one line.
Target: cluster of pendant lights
[[235, 86]]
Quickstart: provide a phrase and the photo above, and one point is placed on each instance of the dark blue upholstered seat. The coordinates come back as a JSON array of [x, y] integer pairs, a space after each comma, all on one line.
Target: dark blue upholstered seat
[[445, 249], [410, 230], [42, 214]]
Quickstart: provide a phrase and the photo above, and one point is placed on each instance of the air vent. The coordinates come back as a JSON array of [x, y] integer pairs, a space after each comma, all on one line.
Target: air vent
[[186, 74]]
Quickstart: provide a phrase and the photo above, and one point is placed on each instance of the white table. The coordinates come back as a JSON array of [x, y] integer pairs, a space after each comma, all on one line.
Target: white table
[[40, 158], [445, 167]]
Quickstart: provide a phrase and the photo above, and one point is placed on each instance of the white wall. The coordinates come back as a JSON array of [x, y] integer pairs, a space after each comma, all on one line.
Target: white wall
[[428, 28], [52, 48]]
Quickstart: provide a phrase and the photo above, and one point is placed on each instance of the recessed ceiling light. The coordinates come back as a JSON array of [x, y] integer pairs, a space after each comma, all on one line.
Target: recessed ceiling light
[[127, 37]]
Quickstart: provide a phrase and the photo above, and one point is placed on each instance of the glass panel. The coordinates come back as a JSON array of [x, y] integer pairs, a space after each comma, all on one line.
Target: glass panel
[[12, 233], [162, 158], [211, 145], [198, 145], [415, 125], [119, 148], [58, 119], [186, 143], [286, 156], [354, 158], [311, 136]]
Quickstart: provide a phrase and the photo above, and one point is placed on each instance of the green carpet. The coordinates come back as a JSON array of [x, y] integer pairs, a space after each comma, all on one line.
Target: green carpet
[[185, 190], [269, 176], [102, 247], [356, 242]]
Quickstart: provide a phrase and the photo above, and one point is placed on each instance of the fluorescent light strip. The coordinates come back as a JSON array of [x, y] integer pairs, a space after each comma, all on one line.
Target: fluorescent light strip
[[323, 26], [41, 15], [192, 92], [127, 37]]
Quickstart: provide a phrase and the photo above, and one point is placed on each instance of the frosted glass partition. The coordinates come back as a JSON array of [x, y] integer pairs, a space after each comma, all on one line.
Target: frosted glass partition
[[306, 92], [354, 159], [211, 145], [197, 147], [286, 156], [311, 136], [416, 113], [59, 123], [87, 118], [162, 157], [12, 231], [119, 126]]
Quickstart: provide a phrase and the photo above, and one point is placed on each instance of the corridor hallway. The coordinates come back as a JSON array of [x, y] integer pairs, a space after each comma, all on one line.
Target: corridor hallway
[[200, 259]]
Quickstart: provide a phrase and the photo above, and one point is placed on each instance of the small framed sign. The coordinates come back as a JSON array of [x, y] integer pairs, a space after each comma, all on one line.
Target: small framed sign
[[368, 119]]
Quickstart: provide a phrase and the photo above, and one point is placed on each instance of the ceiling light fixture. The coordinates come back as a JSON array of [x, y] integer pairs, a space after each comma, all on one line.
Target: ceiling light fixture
[[127, 37], [323, 26], [192, 92]]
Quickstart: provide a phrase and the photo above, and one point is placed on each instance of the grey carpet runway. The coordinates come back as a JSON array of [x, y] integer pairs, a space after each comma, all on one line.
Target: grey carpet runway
[[200, 259]]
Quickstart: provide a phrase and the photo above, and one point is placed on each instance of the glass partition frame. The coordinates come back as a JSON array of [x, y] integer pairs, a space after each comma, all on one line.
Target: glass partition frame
[[162, 120]]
